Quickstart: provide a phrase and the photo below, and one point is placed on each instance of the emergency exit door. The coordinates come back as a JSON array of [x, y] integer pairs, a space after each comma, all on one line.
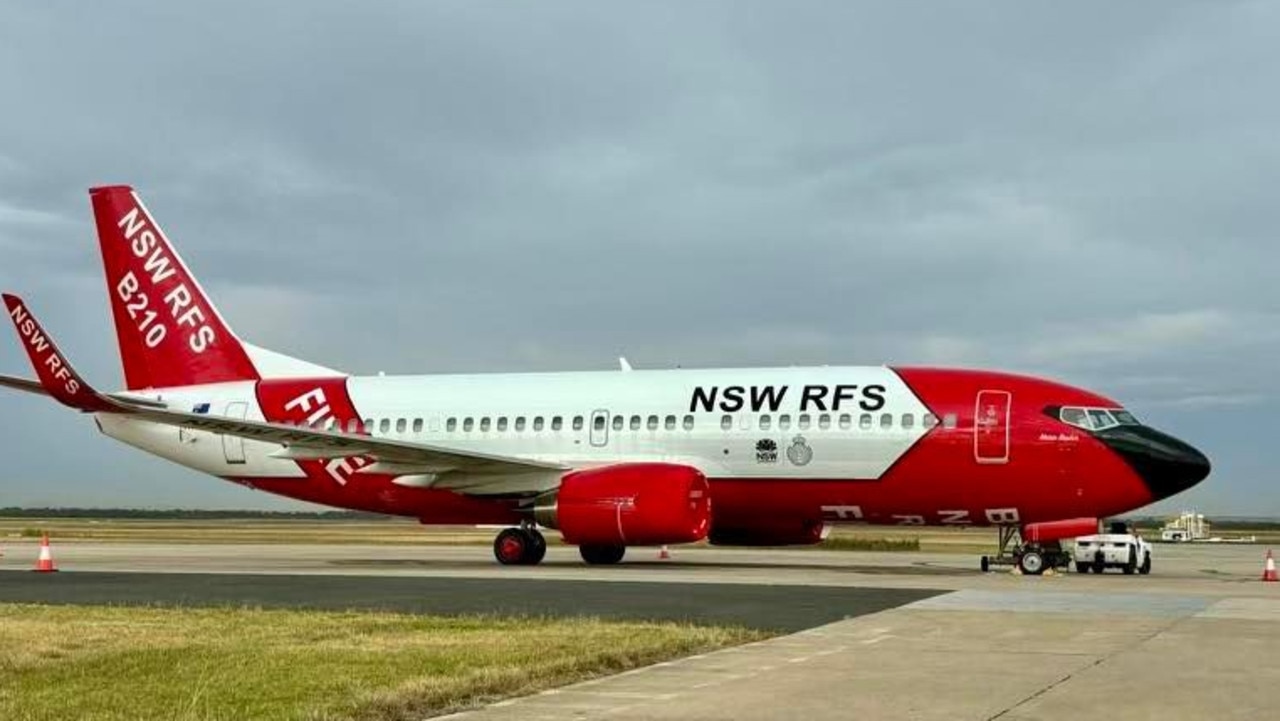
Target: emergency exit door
[[991, 426], [233, 446]]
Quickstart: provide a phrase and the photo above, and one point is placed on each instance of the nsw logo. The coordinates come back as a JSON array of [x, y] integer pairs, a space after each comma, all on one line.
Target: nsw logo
[[766, 451]]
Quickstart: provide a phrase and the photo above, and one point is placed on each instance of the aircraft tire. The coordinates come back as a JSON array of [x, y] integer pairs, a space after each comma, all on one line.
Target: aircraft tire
[[511, 546], [1031, 563], [603, 555], [537, 549], [985, 564]]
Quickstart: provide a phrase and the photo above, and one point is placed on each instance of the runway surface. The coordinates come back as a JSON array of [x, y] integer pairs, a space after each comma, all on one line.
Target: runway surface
[[776, 608], [1198, 638]]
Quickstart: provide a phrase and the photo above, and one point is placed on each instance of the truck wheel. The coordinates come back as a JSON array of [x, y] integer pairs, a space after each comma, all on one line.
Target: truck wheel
[[1131, 565], [1145, 568], [1031, 563], [1082, 567], [1099, 563]]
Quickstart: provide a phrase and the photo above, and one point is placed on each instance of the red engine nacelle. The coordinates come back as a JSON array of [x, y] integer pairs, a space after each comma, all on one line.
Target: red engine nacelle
[[631, 504], [1058, 530]]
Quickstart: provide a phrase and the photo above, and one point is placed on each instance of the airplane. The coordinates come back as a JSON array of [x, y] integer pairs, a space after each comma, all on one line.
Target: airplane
[[610, 459]]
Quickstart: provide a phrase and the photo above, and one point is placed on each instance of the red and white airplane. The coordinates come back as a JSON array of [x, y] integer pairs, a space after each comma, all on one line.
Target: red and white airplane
[[748, 457]]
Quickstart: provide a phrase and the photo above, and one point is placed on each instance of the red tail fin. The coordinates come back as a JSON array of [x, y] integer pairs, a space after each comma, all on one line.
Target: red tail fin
[[169, 332]]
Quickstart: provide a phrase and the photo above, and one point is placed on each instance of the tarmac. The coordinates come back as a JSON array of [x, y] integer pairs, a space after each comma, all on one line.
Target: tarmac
[[885, 635]]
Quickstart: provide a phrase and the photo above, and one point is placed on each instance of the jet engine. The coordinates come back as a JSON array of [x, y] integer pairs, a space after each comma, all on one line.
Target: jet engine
[[630, 504], [1058, 530]]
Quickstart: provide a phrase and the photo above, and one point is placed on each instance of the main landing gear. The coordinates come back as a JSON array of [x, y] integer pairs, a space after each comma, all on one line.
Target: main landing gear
[[522, 546], [1031, 559]]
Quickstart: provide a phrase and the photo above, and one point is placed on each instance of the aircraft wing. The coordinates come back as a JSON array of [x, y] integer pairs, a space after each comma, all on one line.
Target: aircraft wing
[[59, 380], [22, 384]]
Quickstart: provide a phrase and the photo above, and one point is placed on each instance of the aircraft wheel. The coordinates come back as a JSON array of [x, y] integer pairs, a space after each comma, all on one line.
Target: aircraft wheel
[[511, 546], [1145, 568], [985, 564], [1031, 563], [602, 555], [537, 548]]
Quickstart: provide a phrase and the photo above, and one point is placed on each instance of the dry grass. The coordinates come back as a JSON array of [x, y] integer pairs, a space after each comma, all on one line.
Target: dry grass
[[65, 662]]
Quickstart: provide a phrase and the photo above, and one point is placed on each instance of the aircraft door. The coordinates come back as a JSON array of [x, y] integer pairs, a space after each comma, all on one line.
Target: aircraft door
[[600, 428], [233, 446], [991, 426]]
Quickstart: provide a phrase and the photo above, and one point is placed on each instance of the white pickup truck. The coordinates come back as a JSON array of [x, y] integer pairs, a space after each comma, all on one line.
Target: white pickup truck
[[1125, 551]]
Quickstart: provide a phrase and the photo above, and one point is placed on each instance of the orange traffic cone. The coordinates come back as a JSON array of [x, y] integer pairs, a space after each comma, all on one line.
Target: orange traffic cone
[[664, 554], [44, 564], [1269, 571]]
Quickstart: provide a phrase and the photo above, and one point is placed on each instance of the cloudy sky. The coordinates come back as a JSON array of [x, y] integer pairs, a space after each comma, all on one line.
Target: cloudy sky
[[463, 186]]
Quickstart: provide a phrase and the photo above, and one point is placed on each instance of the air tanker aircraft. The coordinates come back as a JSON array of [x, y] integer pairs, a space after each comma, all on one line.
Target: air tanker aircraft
[[739, 457]]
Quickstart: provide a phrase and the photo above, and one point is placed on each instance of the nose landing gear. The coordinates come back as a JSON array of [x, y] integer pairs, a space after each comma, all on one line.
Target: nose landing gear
[[522, 546], [1031, 559]]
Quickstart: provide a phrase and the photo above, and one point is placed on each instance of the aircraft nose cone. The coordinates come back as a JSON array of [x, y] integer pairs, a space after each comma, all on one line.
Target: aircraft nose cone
[[1166, 465]]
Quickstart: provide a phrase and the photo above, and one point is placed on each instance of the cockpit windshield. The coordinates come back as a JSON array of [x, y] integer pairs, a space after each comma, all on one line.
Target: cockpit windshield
[[1096, 419]]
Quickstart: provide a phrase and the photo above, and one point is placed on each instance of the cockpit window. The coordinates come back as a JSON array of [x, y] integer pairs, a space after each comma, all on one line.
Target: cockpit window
[[1093, 419], [1074, 417], [1101, 419], [1125, 417]]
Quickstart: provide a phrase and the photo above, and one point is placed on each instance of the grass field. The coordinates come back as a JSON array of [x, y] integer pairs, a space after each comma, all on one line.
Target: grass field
[[64, 662]]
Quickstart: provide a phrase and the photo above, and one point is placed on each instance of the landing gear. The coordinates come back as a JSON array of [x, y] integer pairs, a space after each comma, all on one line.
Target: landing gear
[[523, 546], [1031, 559], [602, 555]]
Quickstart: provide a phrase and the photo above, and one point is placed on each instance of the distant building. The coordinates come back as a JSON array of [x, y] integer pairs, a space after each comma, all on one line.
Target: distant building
[[1190, 526]]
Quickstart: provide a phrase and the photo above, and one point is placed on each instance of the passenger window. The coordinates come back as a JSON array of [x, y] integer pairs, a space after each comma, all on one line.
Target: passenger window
[[599, 423], [635, 423], [370, 426], [908, 421], [886, 420], [726, 422], [417, 425], [385, 426], [468, 424], [451, 425], [519, 424], [846, 421], [618, 423], [688, 423], [537, 423], [930, 420], [502, 423], [803, 423], [653, 423], [824, 421], [670, 423], [865, 421], [353, 425], [485, 424], [401, 426], [784, 422], [557, 423], [765, 422], [577, 423], [950, 421]]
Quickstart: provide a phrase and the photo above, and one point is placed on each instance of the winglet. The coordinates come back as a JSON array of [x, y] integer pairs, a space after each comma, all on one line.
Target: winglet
[[55, 373]]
